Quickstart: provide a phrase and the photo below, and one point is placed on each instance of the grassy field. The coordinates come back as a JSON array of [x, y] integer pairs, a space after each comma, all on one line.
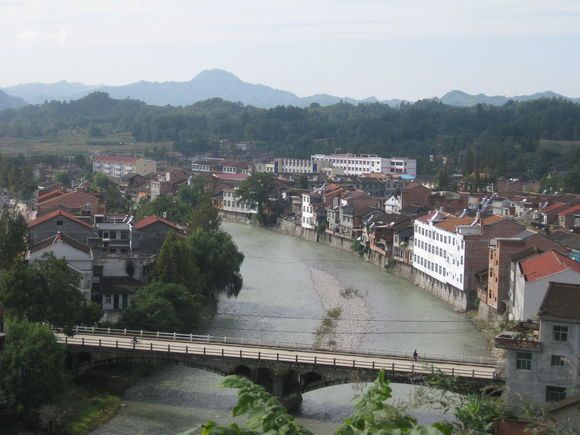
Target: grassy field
[[74, 143]]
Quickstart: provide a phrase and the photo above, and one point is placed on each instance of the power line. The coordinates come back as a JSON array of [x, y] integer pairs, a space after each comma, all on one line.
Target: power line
[[299, 260], [449, 331], [343, 320]]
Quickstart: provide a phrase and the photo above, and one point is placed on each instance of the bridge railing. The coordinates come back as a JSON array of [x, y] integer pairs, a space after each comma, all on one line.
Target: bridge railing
[[215, 350], [280, 344]]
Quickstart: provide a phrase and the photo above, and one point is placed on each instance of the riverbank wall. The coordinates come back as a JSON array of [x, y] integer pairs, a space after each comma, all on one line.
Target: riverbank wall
[[460, 301]]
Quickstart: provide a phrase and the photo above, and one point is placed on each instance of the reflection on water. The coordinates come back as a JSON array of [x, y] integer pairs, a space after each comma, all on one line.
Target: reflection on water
[[278, 302]]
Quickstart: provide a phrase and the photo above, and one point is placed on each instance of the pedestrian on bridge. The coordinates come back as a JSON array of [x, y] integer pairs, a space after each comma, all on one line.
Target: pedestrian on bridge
[[415, 355]]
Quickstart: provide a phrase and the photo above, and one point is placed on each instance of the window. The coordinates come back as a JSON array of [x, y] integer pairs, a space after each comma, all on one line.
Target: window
[[59, 223], [107, 299], [557, 360], [98, 270], [524, 361], [560, 334], [554, 394]]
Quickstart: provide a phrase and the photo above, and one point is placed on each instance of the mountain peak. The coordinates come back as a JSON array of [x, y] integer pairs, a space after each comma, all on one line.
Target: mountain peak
[[216, 74]]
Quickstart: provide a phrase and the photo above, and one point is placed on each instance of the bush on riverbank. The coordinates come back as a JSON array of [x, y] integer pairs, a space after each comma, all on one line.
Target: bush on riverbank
[[94, 411]]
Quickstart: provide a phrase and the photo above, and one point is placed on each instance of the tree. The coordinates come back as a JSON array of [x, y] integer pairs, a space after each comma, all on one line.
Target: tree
[[256, 191], [218, 261], [263, 413], [163, 307], [12, 238], [32, 366], [205, 215], [44, 291], [176, 264], [372, 415], [62, 177], [303, 181], [443, 180]]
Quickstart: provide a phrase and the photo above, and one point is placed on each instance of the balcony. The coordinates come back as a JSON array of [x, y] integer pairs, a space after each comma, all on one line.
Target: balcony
[[511, 340]]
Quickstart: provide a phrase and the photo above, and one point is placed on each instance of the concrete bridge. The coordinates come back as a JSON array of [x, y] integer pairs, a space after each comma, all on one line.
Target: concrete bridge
[[284, 369]]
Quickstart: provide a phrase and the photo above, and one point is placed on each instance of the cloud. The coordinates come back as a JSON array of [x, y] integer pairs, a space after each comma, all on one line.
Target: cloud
[[55, 39]]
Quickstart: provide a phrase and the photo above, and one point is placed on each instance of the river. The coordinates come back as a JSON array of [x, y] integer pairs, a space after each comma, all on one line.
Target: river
[[279, 301]]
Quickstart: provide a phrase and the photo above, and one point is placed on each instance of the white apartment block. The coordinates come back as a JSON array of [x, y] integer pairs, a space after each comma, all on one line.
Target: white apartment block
[[118, 166], [439, 252], [231, 202], [294, 166], [308, 213], [368, 163]]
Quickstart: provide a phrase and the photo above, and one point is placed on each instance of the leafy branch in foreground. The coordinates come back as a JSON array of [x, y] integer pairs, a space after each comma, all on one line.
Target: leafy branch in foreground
[[264, 414], [373, 415]]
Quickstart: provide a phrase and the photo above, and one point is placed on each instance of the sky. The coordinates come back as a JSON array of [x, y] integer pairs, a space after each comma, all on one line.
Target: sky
[[407, 49]]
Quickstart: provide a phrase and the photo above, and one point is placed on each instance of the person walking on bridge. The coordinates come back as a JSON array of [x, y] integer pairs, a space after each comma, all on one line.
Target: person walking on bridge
[[415, 355]]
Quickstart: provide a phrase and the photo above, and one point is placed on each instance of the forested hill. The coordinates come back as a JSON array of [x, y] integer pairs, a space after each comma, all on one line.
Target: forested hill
[[504, 139]]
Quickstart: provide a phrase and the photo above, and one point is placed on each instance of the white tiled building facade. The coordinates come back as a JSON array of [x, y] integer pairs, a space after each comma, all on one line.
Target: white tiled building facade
[[439, 253], [368, 163], [308, 219]]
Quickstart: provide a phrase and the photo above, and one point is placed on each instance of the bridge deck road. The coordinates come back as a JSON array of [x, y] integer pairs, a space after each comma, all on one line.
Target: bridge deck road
[[322, 358]]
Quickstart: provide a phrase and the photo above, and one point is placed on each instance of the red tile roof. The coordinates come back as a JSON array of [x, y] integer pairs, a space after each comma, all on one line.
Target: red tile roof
[[43, 196], [57, 213], [150, 220], [575, 209], [547, 264], [452, 223], [72, 200], [555, 206], [117, 159], [427, 217], [60, 237]]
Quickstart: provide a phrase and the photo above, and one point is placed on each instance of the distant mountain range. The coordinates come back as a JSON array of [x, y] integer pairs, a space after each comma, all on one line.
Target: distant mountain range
[[9, 101], [462, 99], [217, 84]]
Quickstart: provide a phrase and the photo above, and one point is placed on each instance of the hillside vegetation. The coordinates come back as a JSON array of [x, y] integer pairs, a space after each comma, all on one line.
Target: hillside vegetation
[[502, 140]]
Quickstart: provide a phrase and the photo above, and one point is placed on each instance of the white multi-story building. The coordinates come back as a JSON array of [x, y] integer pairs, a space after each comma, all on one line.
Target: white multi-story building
[[119, 166], [454, 249], [231, 202], [308, 212], [368, 163], [294, 166], [439, 251]]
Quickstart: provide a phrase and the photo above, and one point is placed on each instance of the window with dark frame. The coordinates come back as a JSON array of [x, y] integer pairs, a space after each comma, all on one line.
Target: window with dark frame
[[555, 394], [524, 361], [560, 334]]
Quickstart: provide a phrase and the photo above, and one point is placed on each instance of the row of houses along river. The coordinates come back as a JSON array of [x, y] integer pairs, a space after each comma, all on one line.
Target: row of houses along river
[[288, 285]]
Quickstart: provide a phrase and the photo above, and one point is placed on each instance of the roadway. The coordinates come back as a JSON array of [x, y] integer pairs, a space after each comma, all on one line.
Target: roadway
[[282, 354]]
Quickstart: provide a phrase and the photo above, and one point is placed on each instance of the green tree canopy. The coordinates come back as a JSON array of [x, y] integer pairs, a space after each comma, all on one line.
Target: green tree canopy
[[32, 367], [163, 307], [257, 190], [44, 291], [12, 238], [218, 260], [176, 264]]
